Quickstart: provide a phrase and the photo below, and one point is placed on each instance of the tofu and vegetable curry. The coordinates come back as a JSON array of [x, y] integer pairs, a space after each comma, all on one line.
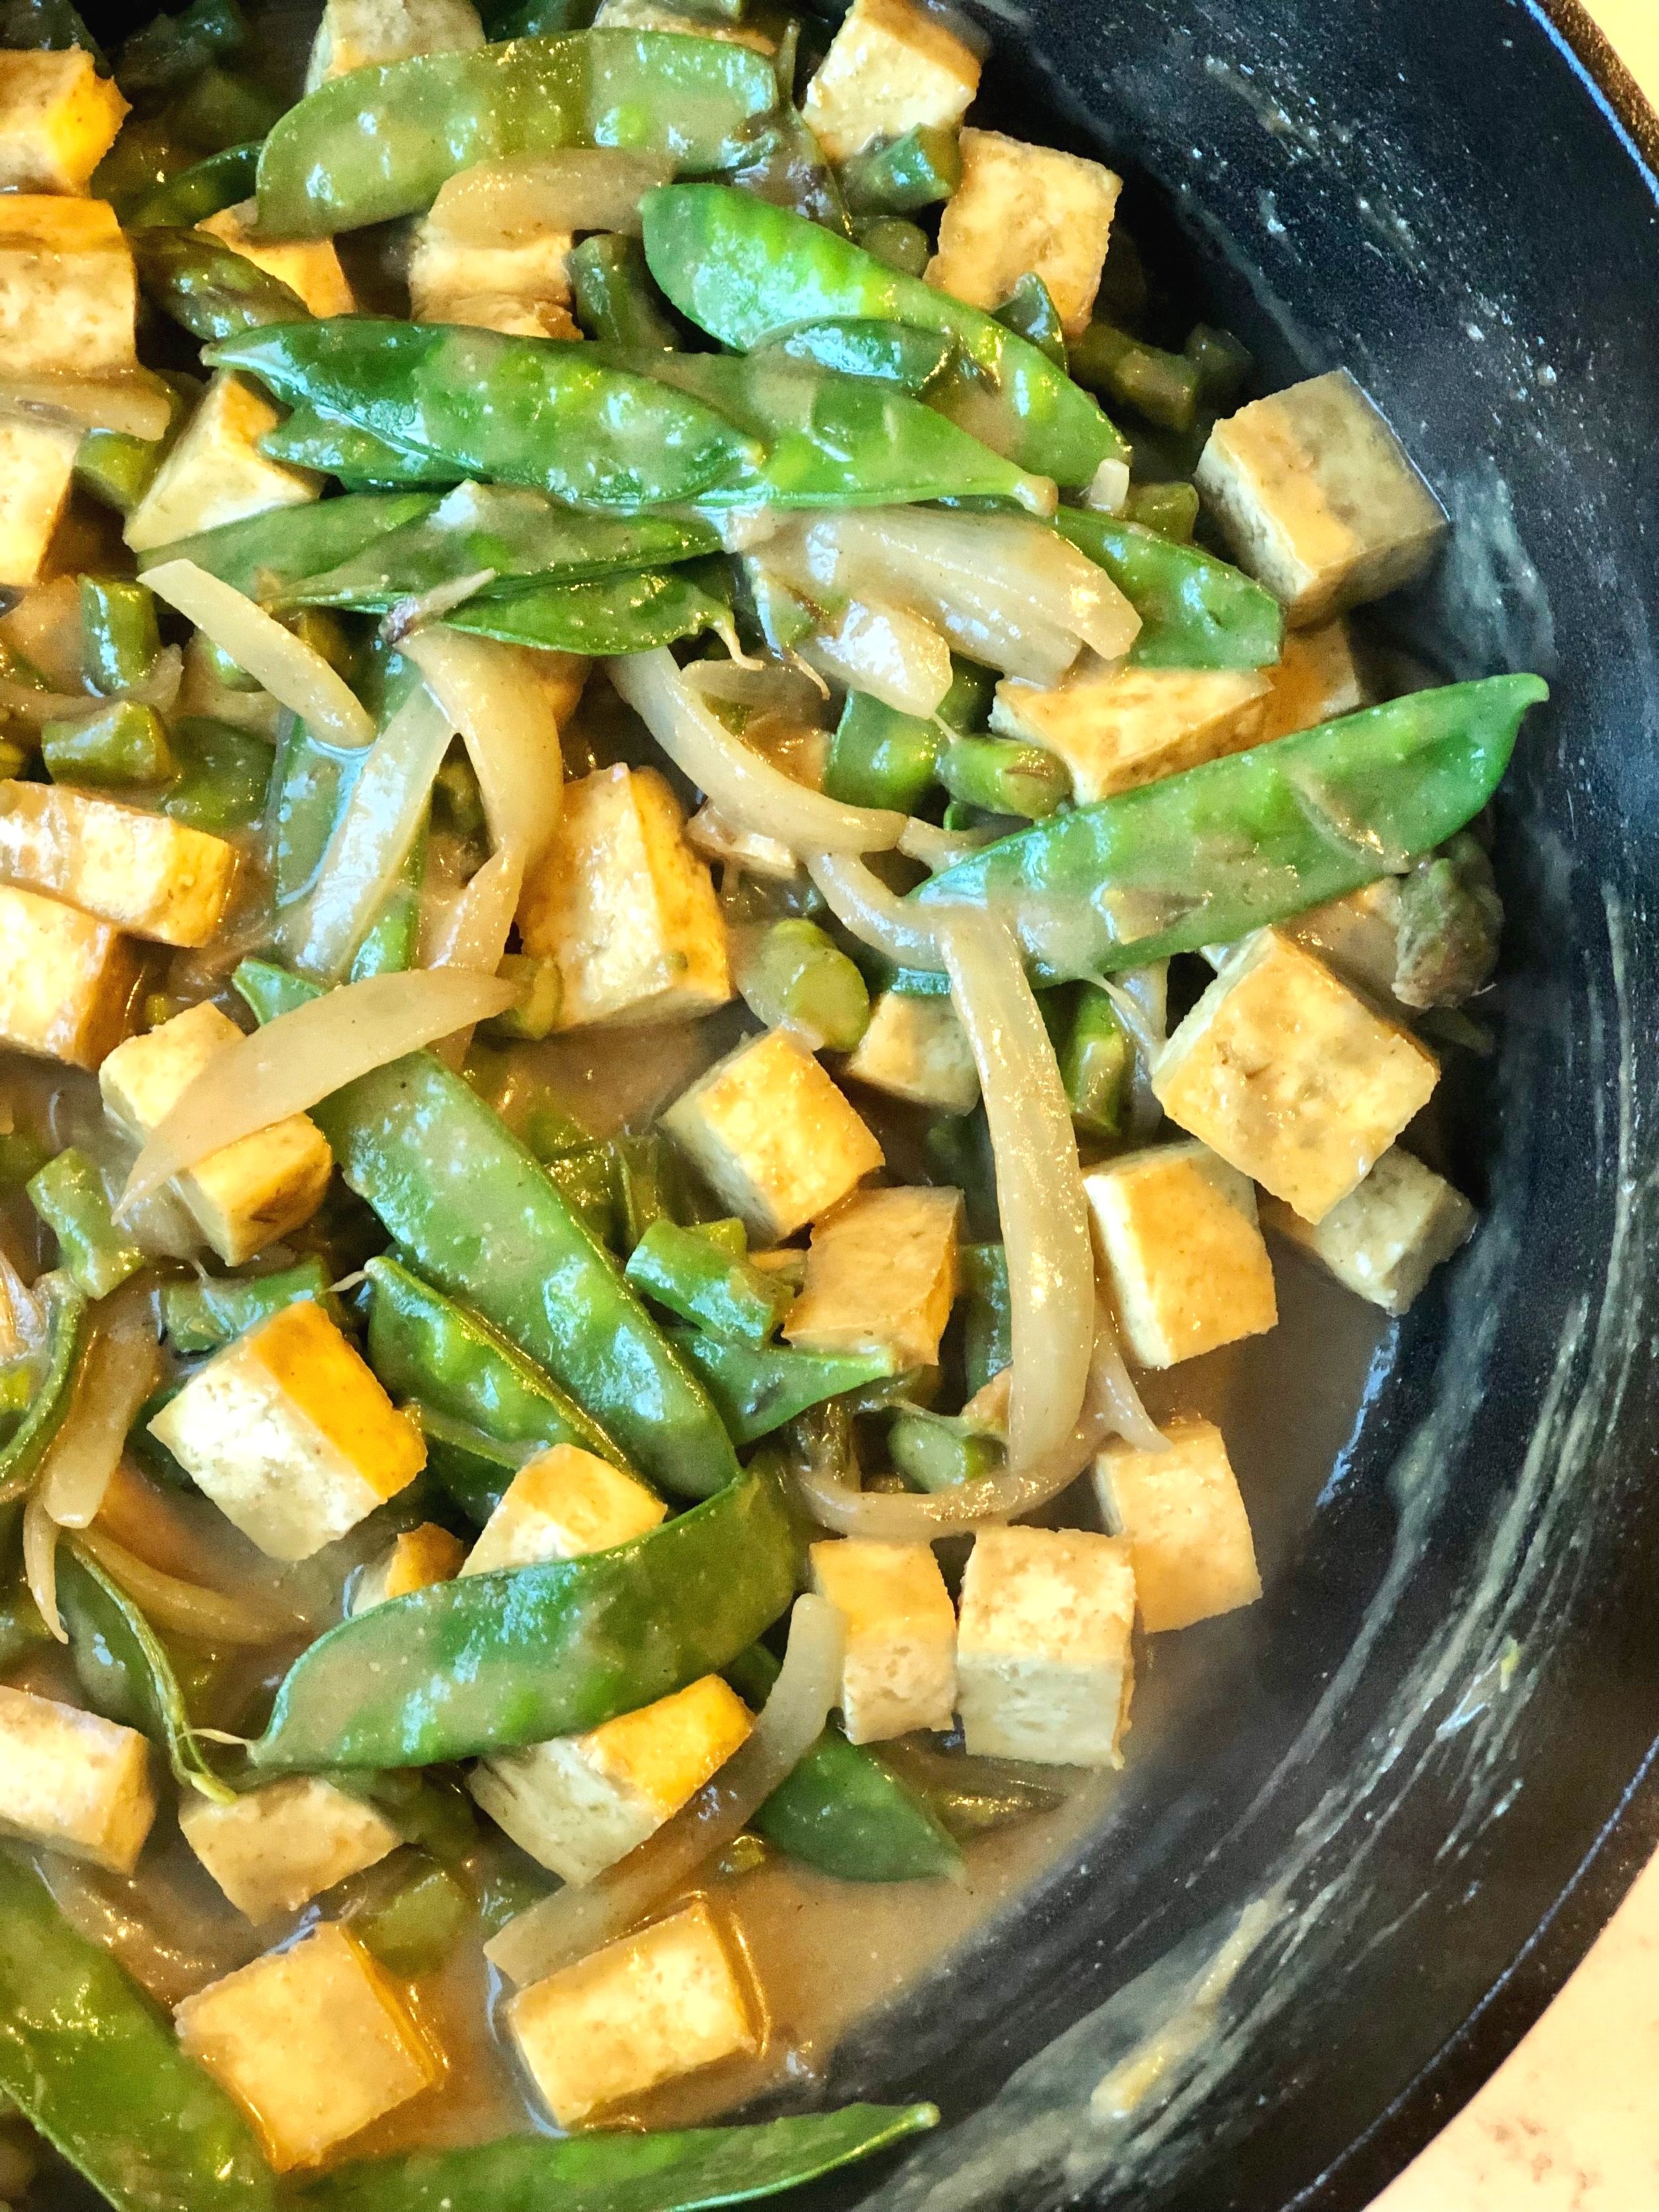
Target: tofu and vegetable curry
[[696, 841]]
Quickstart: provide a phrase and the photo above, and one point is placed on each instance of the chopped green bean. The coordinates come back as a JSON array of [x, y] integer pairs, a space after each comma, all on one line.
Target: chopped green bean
[[1171, 509], [221, 109], [987, 1333], [586, 1176], [1223, 363], [169, 51], [122, 742], [895, 241], [1003, 777], [1029, 311], [69, 1195], [120, 637], [211, 291], [1163, 386], [414, 1931], [1097, 1065], [687, 1271], [901, 174], [935, 1451], [43, 26], [792, 972], [536, 1014]]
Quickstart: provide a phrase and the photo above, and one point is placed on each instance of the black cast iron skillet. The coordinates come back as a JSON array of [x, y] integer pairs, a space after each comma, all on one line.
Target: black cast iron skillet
[[1369, 1826]]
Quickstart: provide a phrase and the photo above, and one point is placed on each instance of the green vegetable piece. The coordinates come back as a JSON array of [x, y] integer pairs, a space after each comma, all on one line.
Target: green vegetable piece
[[688, 1272], [881, 757], [167, 52], [221, 109], [206, 189], [1205, 856], [27, 1445], [1448, 921], [769, 613], [652, 1186], [21, 1628], [783, 163], [493, 1660], [380, 146], [586, 1176], [120, 637], [1029, 311], [1195, 612], [1097, 1064], [675, 2170], [1004, 777], [417, 1928], [617, 299], [630, 613], [895, 242], [793, 973], [211, 291], [1163, 386], [474, 1469], [312, 438], [1171, 509], [741, 270], [914, 171], [122, 742], [200, 1316], [23, 1149], [536, 1014], [268, 554], [937, 1451], [116, 468], [757, 1389], [432, 1811], [44, 27], [68, 1193], [988, 1313], [1223, 363], [96, 2066], [223, 776], [889, 352]]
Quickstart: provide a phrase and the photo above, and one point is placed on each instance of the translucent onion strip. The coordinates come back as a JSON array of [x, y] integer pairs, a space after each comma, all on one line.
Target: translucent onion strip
[[137, 406], [876, 916], [894, 655], [582, 1916], [506, 203], [476, 937], [497, 698], [301, 679], [210, 1616], [305, 1054], [116, 1375], [40, 1533]]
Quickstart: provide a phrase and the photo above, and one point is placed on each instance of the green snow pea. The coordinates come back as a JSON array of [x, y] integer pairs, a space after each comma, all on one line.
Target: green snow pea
[[1223, 362], [1029, 311], [122, 742], [892, 352], [167, 52], [741, 270], [418, 1926], [69, 1195], [310, 784], [759, 1388], [781, 161], [476, 1212], [616, 300], [881, 757], [475, 1470], [792, 972], [311, 438], [119, 636], [393, 938], [267, 554], [1195, 612], [116, 468], [675, 2170], [1001, 776], [223, 774], [221, 108], [27, 1444], [494, 1660], [200, 1316], [1097, 1065], [915, 170], [629, 612], [93, 2064], [692, 1275], [380, 146], [987, 1339], [203, 190], [213, 292], [934, 1451], [1204, 857]]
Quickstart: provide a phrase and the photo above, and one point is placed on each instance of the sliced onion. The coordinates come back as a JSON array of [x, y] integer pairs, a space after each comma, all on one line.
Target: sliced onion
[[40, 1533], [23, 1315], [134, 405], [746, 790], [505, 202], [272, 655], [210, 1615], [375, 837], [876, 916], [116, 1375], [304, 1056], [413, 614], [582, 1916], [497, 696], [938, 848], [475, 936], [894, 655], [765, 684]]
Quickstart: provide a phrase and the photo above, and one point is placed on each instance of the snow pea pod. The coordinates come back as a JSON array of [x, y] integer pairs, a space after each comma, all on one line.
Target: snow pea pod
[[681, 2170], [1195, 610], [94, 2067], [494, 1660], [476, 1212], [212, 291], [266, 554], [742, 269], [1204, 857], [201, 191], [202, 1316], [26, 1447], [380, 146], [895, 353], [759, 1388], [627, 613], [222, 779], [93, 1250], [314, 438]]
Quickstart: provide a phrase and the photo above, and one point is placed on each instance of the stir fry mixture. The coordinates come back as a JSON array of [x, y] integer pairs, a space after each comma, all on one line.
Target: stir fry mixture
[[658, 919]]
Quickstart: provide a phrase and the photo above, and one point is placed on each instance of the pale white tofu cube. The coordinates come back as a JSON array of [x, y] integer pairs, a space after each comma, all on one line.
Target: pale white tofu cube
[[67, 980], [68, 291], [916, 1048], [310, 267], [59, 118], [881, 1276], [1180, 1514], [416, 1559], [1357, 936], [73, 1782], [204, 693], [1291, 1076], [744, 850], [1387, 1238], [1045, 1658], [523, 291], [148, 874], [313, 2043], [1116, 728], [1187, 1268], [624, 907], [1024, 210], [37, 469], [248, 1193], [773, 1136], [660, 2003], [1316, 681], [1319, 498], [290, 1435], [891, 66], [273, 1849], [899, 1668], [561, 1503], [215, 472], [579, 1803], [359, 33]]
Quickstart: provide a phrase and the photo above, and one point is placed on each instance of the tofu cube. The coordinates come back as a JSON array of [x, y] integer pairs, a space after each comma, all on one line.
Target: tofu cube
[[1177, 1236], [1357, 936], [916, 1048], [1291, 1076], [1045, 1660], [1319, 498], [579, 1803], [892, 65], [248, 1193], [310, 267], [1026, 211], [745, 850], [68, 291], [561, 1503], [290, 1435], [659, 2004], [37, 469], [359, 33], [1387, 1238], [67, 980], [522, 290], [1316, 681], [881, 1276], [419, 1557], [59, 118], [1118, 728], [313, 2043], [73, 1782], [624, 907], [773, 1136], [1181, 1516], [215, 472], [899, 1671], [273, 1849], [145, 873]]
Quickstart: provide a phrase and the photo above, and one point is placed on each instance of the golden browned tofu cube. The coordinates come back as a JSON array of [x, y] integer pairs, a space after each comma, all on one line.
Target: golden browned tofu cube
[[66, 980], [72, 1782], [69, 293], [1177, 1235], [37, 469], [362, 34], [1045, 1659], [417, 1560], [310, 267], [1024, 210], [891, 65], [1181, 1516], [273, 1848], [899, 1669], [145, 873], [215, 473], [881, 1276], [1117, 728], [59, 118], [916, 1048], [522, 290], [561, 1503], [1389, 1234], [1316, 681]]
